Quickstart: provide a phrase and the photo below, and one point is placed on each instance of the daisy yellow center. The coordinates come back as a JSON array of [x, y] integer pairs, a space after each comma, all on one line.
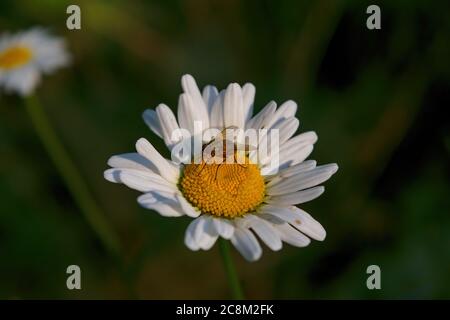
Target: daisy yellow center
[[223, 190], [14, 57]]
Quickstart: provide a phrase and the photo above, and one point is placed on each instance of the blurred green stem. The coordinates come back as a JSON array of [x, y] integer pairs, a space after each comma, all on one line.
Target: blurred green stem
[[73, 180], [233, 280]]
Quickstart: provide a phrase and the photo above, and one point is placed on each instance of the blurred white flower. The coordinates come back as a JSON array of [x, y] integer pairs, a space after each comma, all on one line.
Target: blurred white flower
[[233, 201], [24, 56]]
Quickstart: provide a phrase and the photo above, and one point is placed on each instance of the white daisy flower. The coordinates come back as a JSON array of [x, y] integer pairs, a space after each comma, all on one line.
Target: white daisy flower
[[242, 202], [26, 55]]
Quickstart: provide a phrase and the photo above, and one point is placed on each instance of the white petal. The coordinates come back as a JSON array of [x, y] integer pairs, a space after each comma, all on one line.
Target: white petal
[[289, 171], [265, 155], [299, 219], [130, 160], [281, 213], [189, 236], [144, 181], [165, 168], [295, 155], [246, 243], [207, 234], [262, 154], [151, 120], [233, 111], [190, 86], [51, 55], [296, 197], [199, 107], [210, 94], [291, 235], [286, 110], [270, 218], [224, 228], [304, 138], [309, 226], [286, 128], [168, 124], [188, 209], [332, 167], [286, 159], [187, 112], [163, 202], [22, 81], [265, 231], [296, 149], [200, 234], [302, 180], [217, 111], [248, 97], [300, 167], [266, 113]]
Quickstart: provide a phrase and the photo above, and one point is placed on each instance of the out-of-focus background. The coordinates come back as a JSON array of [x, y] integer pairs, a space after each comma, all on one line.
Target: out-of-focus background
[[376, 98]]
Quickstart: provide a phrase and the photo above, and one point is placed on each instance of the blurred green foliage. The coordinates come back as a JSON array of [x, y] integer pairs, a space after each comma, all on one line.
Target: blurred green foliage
[[377, 100]]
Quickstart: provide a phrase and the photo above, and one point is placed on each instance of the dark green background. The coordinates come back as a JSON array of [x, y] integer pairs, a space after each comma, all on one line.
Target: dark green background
[[377, 100]]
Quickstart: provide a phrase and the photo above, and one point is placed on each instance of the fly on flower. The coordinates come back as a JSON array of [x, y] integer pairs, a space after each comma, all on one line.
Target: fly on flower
[[239, 201], [223, 149], [25, 56]]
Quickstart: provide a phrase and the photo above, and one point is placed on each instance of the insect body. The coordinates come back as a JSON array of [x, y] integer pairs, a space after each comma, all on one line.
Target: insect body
[[222, 150]]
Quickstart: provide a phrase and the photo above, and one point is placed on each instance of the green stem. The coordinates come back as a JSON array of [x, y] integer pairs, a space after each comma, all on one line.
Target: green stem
[[72, 178], [233, 280]]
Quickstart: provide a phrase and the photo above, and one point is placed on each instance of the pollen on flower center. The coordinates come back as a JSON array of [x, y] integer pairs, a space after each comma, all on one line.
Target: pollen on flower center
[[224, 190], [15, 57]]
